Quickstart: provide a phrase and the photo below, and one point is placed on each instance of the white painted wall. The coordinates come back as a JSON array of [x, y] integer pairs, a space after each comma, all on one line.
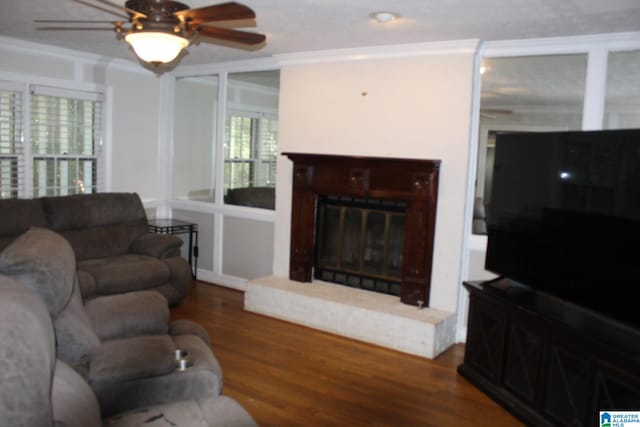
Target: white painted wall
[[193, 137], [136, 102], [412, 107]]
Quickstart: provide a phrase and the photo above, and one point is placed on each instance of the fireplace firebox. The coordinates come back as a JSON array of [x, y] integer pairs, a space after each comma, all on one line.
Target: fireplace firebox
[[386, 205], [360, 242]]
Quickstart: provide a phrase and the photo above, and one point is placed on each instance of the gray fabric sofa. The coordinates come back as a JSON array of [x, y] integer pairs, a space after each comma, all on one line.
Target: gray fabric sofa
[[38, 389], [256, 197], [124, 372], [108, 233]]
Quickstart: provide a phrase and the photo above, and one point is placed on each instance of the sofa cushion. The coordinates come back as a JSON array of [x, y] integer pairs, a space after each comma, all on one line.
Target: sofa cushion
[[125, 273], [44, 262], [98, 242], [126, 359], [129, 314], [75, 335], [220, 411], [82, 211], [74, 403], [202, 379]]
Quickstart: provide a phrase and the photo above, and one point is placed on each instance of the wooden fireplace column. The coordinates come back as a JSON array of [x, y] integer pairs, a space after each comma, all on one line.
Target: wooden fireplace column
[[410, 180]]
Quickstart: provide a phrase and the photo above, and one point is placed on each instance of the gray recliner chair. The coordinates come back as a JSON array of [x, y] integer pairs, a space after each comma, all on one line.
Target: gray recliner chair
[[125, 371], [36, 390]]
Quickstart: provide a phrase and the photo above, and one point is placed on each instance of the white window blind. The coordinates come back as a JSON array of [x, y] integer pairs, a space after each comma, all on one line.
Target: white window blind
[[11, 146], [268, 152], [239, 152], [250, 150], [66, 142]]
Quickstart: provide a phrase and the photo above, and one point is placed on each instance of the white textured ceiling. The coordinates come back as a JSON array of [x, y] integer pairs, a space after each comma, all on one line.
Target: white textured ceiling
[[304, 25]]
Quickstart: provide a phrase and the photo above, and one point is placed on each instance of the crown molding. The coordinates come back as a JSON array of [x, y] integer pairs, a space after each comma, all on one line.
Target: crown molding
[[258, 64], [561, 45], [75, 56], [468, 46]]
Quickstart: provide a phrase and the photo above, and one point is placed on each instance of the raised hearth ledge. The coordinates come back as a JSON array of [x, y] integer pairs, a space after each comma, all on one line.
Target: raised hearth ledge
[[362, 315]]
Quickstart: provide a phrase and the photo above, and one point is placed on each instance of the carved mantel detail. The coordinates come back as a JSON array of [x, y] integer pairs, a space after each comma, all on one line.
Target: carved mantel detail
[[410, 180]]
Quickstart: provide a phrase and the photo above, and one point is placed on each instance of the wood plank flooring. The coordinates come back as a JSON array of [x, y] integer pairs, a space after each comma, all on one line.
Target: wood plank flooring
[[289, 375]]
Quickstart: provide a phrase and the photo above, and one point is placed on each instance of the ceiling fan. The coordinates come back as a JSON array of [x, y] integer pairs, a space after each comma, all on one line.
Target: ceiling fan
[[158, 30]]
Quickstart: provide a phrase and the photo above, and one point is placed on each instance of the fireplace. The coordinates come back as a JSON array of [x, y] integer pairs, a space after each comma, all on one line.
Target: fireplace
[[360, 242], [375, 197]]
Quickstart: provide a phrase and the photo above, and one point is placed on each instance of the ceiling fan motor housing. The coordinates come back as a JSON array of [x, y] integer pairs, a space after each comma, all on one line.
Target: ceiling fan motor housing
[[159, 15]]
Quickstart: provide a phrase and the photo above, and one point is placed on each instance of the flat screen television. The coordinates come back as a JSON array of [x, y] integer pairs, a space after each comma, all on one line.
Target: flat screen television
[[564, 217]]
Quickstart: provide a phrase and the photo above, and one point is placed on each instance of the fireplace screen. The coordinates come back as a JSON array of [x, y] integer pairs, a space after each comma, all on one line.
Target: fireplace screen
[[360, 242]]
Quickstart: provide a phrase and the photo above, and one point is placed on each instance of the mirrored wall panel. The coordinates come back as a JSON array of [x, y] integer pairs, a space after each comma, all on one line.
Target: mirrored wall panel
[[622, 106], [521, 94], [196, 101], [251, 139]]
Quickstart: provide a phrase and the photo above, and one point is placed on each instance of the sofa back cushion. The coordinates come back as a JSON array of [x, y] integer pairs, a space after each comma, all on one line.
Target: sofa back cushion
[[98, 242], [97, 225], [43, 261], [27, 355], [18, 215]]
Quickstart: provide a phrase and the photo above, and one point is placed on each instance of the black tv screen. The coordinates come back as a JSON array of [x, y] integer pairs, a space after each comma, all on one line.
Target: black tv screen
[[565, 217]]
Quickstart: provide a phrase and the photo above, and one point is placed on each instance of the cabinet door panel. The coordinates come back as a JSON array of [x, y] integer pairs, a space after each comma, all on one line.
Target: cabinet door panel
[[568, 384], [524, 358], [485, 339], [615, 389]]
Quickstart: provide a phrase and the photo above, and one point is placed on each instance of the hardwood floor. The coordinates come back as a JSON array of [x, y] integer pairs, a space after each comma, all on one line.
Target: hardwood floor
[[289, 375]]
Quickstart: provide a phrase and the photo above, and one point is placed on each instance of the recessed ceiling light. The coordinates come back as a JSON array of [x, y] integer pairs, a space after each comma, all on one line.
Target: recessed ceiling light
[[384, 17]]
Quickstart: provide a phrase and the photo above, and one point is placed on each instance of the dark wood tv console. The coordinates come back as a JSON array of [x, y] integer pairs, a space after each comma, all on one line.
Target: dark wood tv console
[[547, 361]]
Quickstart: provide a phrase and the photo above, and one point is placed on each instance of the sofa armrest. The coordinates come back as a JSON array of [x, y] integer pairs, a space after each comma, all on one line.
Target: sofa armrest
[[157, 245]]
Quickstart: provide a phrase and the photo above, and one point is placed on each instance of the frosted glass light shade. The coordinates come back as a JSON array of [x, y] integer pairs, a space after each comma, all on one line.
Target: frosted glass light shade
[[156, 47]]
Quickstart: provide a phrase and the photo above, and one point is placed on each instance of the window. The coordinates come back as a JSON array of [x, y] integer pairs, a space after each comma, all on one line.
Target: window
[[64, 147], [65, 142], [250, 152]]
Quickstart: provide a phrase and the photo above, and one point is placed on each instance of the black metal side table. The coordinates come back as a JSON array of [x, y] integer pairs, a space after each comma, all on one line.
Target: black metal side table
[[175, 226]]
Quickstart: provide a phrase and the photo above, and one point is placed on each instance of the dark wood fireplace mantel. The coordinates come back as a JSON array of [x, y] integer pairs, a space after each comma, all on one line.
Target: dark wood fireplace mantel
[[412, 181]]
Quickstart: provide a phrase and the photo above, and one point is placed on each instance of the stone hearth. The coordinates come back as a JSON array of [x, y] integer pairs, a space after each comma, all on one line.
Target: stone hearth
[[362, 315]]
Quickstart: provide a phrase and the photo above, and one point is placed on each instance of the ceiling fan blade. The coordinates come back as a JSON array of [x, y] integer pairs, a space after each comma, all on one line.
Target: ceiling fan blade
[[73, 29], [72, 21], [230, 35], [104, 9], [220, 12]]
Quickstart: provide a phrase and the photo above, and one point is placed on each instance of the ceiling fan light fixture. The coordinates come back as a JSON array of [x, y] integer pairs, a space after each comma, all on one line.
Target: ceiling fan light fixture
[[156, 47]]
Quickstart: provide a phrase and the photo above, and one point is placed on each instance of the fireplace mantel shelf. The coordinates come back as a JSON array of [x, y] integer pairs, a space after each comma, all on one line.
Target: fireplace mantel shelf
[[413, 181]]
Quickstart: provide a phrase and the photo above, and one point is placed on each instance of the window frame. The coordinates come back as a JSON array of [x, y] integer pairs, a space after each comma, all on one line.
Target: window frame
[[26, 173], [257, 135]]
